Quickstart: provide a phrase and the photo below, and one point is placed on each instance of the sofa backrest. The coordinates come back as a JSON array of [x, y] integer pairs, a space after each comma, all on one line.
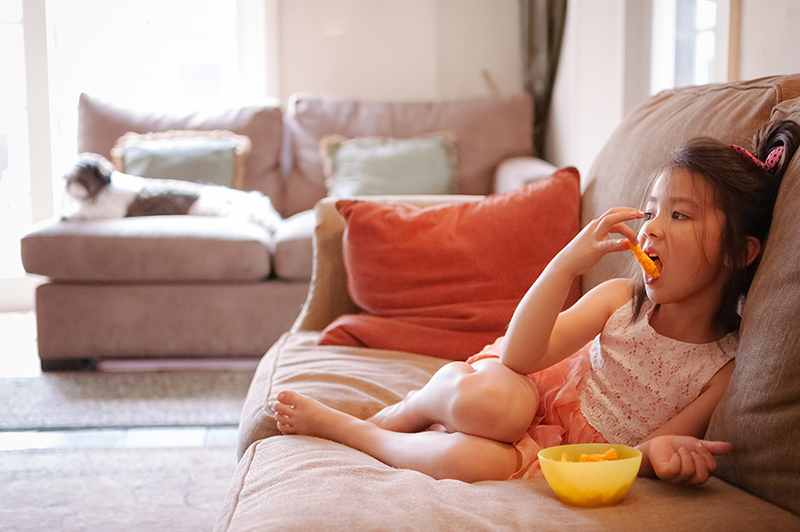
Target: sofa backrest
[[488, 131], [760, 413], [285, 161], [101, 123]]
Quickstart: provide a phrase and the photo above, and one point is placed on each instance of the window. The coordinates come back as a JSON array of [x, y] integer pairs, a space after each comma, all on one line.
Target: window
[[15, 187], [684, 48], [148, 53]]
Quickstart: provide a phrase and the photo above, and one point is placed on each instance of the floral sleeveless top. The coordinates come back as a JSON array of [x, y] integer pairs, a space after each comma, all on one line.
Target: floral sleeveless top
[[640, 379]]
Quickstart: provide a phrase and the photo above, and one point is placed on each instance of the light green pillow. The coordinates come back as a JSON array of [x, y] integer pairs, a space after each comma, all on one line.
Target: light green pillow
[[212, 157], [385, 166]]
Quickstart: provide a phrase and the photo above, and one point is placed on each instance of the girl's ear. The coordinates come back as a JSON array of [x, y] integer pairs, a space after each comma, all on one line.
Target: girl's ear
[[753, 249]]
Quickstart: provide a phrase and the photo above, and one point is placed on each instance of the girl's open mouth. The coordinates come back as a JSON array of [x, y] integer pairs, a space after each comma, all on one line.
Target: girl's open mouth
[[657, 261]]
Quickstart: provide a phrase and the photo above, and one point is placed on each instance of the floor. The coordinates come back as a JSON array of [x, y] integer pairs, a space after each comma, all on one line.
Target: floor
[[18, 358]]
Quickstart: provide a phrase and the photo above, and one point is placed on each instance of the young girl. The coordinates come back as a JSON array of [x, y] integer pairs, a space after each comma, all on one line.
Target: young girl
[[660, 354]]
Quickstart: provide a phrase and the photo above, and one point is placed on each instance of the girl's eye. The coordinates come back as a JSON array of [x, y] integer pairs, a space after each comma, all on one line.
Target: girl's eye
[[648, 216], [679, 216]]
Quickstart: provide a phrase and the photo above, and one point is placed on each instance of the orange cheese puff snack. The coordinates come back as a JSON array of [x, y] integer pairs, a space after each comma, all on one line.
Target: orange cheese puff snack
[[648, 265], [564, 457], [607, 456]]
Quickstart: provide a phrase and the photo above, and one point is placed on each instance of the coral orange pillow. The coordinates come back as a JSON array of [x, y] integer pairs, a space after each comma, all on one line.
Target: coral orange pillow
[[444, 280]]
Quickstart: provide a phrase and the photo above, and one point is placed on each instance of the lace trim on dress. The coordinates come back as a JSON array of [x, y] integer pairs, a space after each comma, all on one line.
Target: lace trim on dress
[[640, 379]]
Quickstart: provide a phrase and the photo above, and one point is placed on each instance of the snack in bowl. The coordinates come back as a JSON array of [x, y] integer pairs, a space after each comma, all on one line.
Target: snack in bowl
[[610, 454], [646, 262], [590, 483]]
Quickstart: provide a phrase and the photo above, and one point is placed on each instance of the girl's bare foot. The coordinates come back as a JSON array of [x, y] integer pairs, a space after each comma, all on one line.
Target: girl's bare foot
[[301, 415]]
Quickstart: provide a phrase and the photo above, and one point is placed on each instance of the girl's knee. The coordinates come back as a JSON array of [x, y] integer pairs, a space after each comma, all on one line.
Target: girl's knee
[[454, 370], [494, 405]]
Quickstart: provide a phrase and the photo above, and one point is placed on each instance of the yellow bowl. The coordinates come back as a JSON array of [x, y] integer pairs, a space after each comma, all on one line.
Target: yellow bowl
[[590, 484]]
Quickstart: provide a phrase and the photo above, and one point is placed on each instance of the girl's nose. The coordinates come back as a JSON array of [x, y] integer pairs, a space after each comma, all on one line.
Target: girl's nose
[[654, 227]]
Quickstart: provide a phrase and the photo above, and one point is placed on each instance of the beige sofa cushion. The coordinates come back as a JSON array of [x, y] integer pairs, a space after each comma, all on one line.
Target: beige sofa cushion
[[487, 130], [101, 123], [760, 414], [149, 248], [301, 483]]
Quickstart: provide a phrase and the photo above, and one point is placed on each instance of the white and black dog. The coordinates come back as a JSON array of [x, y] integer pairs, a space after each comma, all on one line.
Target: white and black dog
[[102, 193]]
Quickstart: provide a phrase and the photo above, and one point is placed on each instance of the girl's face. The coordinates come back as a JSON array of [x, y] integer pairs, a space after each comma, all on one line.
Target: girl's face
[[682, 232]]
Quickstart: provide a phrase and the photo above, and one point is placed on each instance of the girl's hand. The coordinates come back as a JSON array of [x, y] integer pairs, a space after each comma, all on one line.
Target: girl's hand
[[683, 459], [593, 242]]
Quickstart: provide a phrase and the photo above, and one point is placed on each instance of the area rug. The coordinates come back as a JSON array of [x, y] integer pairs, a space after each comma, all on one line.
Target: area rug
[[109, 490], [86, 400]]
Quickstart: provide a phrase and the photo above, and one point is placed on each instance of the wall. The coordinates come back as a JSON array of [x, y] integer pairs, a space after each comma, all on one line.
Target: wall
[[588, 95], [769, 43], [389, 49]]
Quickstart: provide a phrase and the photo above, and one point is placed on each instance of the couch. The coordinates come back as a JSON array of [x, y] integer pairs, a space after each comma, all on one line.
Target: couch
[[193, 287], [303, 483]]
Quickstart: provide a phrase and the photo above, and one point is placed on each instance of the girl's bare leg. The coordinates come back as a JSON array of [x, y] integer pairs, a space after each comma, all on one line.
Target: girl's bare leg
[[437, 454], [485, 399]]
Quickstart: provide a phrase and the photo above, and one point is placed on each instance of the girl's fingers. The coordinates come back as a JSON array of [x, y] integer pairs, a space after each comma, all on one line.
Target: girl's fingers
[[593, 242], [695, 468], [687, 465], [616, 244], [620, 214], [708, 458], [627, 232], [669, 470], [700, 469], [715, 447], [613, 221]]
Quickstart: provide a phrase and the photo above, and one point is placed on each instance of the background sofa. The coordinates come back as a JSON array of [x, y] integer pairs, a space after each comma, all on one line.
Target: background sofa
[[303, 483], [209, 287]]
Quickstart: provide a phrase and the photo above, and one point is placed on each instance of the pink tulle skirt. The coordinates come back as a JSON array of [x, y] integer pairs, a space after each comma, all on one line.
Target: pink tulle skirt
[[559, 420]]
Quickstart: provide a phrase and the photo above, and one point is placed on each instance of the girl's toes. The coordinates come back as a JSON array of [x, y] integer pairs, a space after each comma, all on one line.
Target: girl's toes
[[282, 409], [287, 397], [285, 429]]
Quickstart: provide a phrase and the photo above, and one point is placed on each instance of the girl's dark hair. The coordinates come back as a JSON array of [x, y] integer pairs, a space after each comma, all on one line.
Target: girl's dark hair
[[746, 193]]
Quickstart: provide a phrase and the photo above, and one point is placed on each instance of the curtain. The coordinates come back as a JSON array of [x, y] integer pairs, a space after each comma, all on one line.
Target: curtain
[[543, 24]]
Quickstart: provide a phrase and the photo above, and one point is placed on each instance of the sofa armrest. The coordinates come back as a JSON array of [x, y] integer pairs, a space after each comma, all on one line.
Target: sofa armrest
[[327, 293], [517, 172], [293, 255], [328, 297]]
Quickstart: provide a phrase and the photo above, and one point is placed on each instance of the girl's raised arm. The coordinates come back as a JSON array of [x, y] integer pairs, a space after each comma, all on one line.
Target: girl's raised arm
[[539, 334]]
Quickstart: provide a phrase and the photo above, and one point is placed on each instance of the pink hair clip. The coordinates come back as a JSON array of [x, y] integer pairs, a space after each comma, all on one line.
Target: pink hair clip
[[772, 159]]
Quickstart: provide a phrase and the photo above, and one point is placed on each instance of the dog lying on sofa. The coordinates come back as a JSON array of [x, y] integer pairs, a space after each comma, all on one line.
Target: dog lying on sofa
[[100, 192]]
